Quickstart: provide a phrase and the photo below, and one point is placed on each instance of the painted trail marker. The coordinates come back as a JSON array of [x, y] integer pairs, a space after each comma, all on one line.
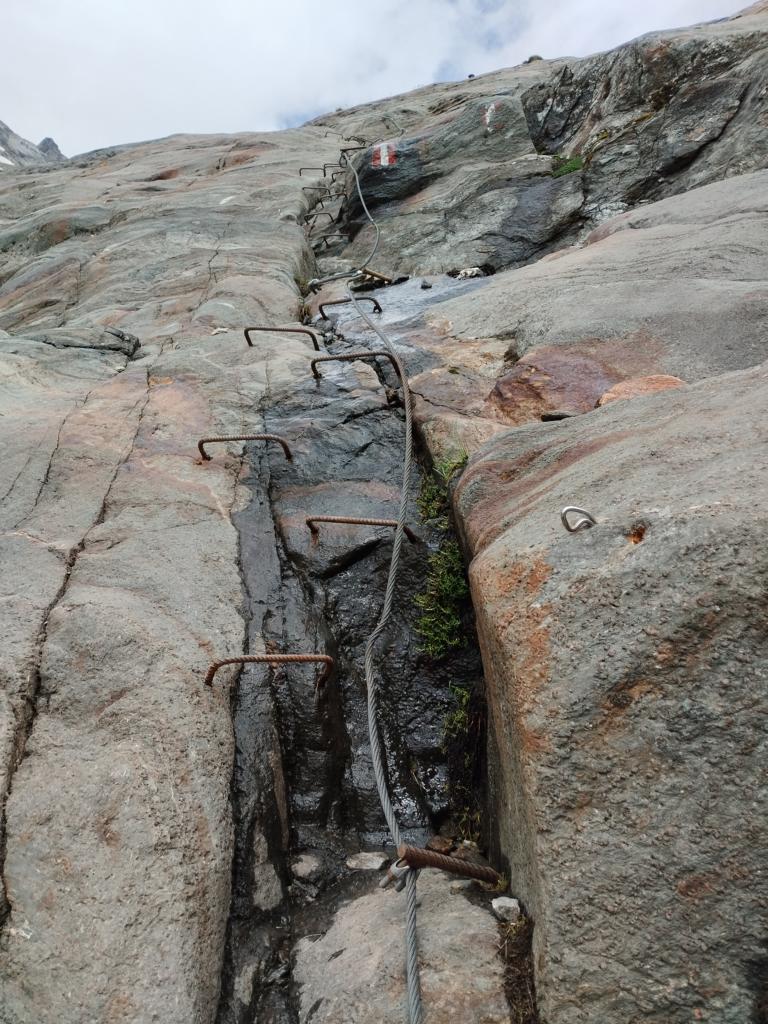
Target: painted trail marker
[[384, 155]]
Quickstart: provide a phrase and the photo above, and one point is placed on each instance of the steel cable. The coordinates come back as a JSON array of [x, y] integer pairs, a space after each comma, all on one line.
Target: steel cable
[[415, 1011]]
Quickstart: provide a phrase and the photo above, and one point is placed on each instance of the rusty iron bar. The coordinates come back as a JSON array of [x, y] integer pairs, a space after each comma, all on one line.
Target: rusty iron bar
[[316, 188], [313, 217], [242, 437], [275, 659], [350, 357], [376, 276], [310, 169], [283, 330], [354, 521], [417, 858], [331, 234], [332, 164], [352, 149], [333, 176], [343, 302]]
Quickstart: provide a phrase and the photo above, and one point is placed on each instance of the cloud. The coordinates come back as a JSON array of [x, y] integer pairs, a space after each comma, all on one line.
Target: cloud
[[93, 73]]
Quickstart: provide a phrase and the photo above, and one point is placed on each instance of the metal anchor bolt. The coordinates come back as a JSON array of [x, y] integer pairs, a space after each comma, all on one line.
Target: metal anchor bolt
[[310, 169], [316, 188], [416, 858], [354, 521], [343, 302], [282, 330], [242, 437], [395, 875], [586, 523], [351, 357], [275, 659]]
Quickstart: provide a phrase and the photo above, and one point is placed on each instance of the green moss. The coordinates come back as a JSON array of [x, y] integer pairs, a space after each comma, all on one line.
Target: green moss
[[433, 496], [566, 165], [439, 624], [456, 723]]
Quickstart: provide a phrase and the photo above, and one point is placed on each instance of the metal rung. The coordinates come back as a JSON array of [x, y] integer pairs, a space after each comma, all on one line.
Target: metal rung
[[242, 437], [416, 858], [350, 357], [275, 659], [342, 302], [282, 330], [354, 521]]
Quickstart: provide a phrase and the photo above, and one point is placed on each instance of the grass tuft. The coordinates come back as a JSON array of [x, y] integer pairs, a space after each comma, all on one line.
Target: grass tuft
[[566, 165]]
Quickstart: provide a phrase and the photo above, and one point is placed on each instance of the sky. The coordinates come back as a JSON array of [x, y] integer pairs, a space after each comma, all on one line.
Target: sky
[[93, 73]]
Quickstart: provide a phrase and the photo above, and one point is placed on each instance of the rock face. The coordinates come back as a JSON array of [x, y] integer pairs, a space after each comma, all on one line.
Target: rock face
[[177, 852], [628, 670], [17, 152]]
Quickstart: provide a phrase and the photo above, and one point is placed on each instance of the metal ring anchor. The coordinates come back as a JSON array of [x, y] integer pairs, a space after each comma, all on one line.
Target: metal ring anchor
[[344, 302], [276, 659], [350, 357], [282, 330], [242, 437], [354, 521], [585, 523]]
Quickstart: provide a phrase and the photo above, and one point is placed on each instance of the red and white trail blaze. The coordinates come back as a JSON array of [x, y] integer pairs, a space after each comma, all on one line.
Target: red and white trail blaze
[[384, 155]]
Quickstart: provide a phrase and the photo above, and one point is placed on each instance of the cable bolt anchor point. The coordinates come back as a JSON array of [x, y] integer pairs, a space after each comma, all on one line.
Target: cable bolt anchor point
[[417, 858], [276, 659], [396, 875], [350, 357], [242, 437], [282, 330], [355, 521], [585, 523]]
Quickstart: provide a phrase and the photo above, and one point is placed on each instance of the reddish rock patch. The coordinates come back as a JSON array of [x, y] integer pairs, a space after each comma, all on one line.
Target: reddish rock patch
[[570, 378], [639, 386]]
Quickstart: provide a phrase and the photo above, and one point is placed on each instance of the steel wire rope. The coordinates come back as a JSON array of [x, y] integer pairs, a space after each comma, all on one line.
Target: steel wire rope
[[415, 1010]]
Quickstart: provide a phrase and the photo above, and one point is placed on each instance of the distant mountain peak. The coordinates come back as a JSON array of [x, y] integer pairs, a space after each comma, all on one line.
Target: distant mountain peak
[[18, 152]]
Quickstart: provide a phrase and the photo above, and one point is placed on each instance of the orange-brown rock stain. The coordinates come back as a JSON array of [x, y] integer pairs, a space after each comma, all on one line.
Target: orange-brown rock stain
[[519, 641]]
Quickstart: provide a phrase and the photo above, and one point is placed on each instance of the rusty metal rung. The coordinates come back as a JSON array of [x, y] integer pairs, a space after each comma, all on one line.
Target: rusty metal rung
[[376, 276], [355, 521], [313, 218], [276, 659], [332, 234], [350, 357], [242, 437], [282, 330], [310, 169], [417, 858], [343, 302]]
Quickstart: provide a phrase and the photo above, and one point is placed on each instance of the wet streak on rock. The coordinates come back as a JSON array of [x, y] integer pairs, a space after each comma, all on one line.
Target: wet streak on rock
[[303, 779]]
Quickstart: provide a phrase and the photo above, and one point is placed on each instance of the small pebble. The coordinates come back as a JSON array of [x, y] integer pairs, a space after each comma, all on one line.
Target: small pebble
[[425, 285], [367, 862], [506, 909], [305, 866]]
